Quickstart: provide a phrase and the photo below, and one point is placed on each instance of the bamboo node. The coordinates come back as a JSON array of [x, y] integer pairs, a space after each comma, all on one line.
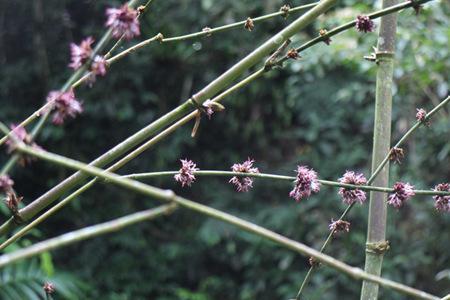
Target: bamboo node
[[378, 247]]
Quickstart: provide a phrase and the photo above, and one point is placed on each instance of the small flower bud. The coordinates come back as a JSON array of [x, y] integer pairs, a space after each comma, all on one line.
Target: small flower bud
[[285, 10], [442, 203], [20, 134], [322, 33], [49, 288], [211, 107], [339, 226], [249, 25], [141, 9], [98, 67], [396, 154], [293, 54], [6, 183], [313, 262], [207, 30], [65, 105], [421, 116], [364, 24], [12, 202], [80, 53]]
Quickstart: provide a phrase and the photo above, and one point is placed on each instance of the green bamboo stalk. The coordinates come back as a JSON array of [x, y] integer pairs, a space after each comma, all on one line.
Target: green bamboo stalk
[[376, 229], [88, 233], [214, 87], [169, 196]]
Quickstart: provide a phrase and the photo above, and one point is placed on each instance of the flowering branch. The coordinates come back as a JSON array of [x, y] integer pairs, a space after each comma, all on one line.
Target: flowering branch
[[205, 32], [325, 36], [200, 97], [280, 177], [169, 196]]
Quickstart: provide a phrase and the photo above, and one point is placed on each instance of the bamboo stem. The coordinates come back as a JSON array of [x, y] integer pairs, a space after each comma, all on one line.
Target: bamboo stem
[[376, 228]]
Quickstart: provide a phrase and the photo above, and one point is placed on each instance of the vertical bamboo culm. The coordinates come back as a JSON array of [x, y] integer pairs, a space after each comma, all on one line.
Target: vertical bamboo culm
[[376, 232]]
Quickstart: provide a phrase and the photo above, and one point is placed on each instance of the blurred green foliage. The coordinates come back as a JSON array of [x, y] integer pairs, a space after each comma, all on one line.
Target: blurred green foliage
[[316, 111]]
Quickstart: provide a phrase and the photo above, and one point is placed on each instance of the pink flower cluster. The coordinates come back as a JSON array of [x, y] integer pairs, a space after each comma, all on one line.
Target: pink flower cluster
[[65, 105], [402, 193], [305, 183], [364, 24], [339, 226], [20, 134], [243, 184], [442, 203], [123, 21], [80, 54], [186, 173], [350, 196], [6, 183]]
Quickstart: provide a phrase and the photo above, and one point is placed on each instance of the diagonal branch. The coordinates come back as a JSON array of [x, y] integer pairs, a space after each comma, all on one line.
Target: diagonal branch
[[87, 233]]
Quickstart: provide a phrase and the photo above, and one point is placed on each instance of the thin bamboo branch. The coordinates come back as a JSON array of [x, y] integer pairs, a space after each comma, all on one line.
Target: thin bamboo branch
[[207, 32], [208, 173], [169, 196], [375, 15], [87, 233], [214, 87]]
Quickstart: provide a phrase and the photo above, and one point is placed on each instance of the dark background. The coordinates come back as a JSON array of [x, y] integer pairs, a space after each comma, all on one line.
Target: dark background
[[317, 111]]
